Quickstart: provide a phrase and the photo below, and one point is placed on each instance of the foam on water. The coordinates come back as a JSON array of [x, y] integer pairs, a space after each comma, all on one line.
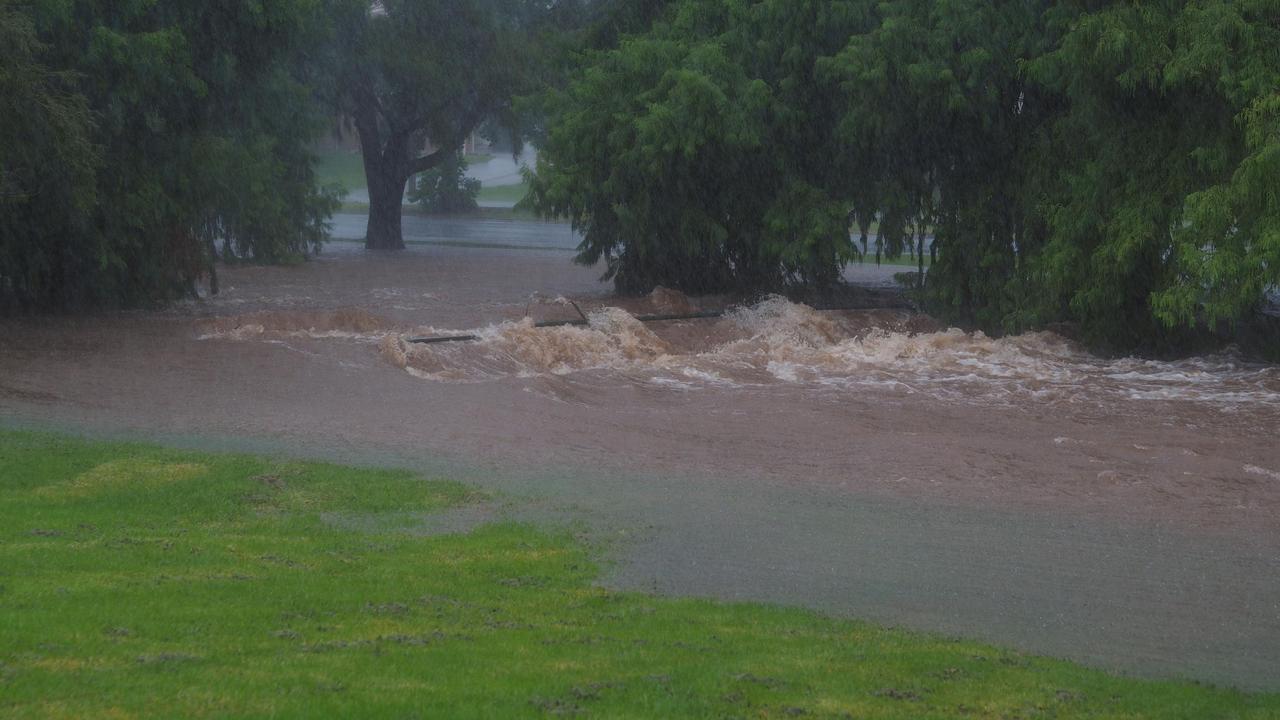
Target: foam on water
[[1041, 366], [783, 343], [613, 339]]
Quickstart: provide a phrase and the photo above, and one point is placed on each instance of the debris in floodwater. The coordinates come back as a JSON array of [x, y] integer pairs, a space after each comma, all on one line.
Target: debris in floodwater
[[774, 342]]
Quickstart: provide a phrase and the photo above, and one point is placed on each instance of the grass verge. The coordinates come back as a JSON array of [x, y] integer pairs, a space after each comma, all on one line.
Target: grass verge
[[341, 168], [505, 193], [477, 214], [144, 582]]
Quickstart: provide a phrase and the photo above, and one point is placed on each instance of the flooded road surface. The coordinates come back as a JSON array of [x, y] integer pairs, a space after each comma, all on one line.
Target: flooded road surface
[[871, 463], [467, 232]]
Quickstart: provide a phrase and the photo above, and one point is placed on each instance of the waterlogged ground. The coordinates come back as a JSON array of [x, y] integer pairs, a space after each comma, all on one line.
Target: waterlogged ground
[[1123, 512], [144, 582]]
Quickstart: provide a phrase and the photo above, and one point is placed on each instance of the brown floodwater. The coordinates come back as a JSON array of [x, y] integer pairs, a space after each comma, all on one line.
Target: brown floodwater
[[1120, 511]]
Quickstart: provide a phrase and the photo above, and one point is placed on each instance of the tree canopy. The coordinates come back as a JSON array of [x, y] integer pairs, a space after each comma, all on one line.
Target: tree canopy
[[162, 133], [1111, 164], [688, 155], [47, 166]]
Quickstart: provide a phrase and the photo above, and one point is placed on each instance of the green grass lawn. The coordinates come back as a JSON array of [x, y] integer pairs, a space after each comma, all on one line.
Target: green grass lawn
[[508, 193], [478, 214], [341, 168], [142, 582]]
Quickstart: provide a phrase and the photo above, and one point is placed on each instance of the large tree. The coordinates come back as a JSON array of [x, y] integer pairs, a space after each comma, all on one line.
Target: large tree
[[47, 164], [942, 127], [1107, 164], [698, 153], [417, 77], [1165, 213], [202, 117]]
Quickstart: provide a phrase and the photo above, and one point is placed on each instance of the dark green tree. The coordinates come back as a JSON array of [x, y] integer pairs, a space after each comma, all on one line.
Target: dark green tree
[[937, 113], [201, 119], [696, 155], [47, 168], [1103, 164], [1162, 212], [1107, 164]]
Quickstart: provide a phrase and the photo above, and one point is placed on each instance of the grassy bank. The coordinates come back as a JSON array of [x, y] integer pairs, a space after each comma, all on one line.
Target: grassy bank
[[341, 168], [143, 582], [477, 214], [505, 193]]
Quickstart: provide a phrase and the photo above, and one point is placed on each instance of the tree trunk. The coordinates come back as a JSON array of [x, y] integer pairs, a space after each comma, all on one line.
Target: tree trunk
[[213, 265], [386, 170], [920, 254], [391, 157], [386, 198]]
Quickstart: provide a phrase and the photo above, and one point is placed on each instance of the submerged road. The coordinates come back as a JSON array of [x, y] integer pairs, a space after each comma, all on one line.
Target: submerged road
[[492, 234], [466, 232], [1141, 538]]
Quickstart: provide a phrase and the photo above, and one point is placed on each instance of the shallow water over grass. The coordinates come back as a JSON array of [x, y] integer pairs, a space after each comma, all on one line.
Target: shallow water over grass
[[146, 582]]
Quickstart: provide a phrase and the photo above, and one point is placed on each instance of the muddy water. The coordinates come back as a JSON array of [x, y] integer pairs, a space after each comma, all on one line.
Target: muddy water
[[774, 343], [1124, 512]]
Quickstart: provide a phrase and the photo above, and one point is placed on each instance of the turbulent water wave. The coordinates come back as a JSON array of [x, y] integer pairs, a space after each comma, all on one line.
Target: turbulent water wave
[[613, 339], [1040, 366], [777, 342]]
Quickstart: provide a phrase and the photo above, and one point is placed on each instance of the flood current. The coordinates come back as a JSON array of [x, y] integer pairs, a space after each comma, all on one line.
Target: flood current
[[870, 462]]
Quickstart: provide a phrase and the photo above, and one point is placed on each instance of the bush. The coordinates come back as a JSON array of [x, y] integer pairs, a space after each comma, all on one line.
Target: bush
[[446, 189]]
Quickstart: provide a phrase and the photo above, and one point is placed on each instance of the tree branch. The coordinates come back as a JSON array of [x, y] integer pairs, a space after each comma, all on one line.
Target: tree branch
[[426, 162], [469, 123]]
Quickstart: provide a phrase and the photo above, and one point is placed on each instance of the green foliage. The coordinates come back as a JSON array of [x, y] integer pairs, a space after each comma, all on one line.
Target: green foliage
[[935, 111], [200, 132], [47, 168], [691, 156], [1164, 214], [446, 189], [1111, 164], [142, 582]]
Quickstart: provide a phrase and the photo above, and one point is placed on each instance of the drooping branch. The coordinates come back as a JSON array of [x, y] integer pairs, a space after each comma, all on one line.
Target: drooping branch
[[426, 162], [470, 120]]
